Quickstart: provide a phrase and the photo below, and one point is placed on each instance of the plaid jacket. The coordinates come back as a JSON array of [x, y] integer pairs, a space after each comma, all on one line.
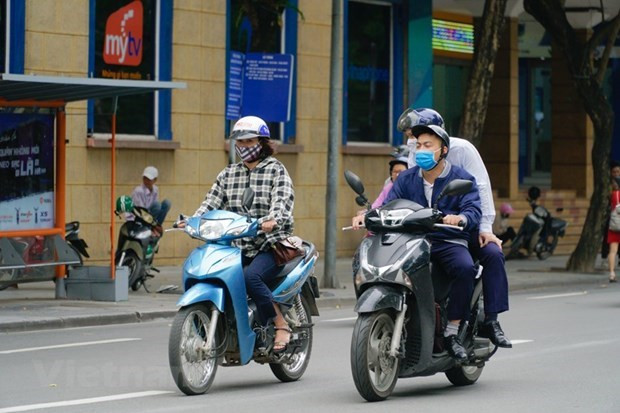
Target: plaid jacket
[[274, 199]]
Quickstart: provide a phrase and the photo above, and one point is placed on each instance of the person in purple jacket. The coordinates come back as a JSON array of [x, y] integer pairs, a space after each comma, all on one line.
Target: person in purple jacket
[[423, 184]]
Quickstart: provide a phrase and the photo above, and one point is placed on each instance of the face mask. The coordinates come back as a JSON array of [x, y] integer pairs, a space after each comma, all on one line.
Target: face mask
[[248, 153], [426, 159]]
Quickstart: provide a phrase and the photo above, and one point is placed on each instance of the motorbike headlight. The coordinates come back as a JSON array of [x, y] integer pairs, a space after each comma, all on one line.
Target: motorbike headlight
[[143, 234], [394, 217], [237, 230], [213, 228]]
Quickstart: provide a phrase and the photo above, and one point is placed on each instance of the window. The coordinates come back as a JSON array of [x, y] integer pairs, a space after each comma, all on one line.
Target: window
[[12, 33], [131, 40], [3, 37], [265, 27], [373, 72]]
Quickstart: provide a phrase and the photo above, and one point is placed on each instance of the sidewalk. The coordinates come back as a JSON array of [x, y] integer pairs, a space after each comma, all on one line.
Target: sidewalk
[[33, 307]]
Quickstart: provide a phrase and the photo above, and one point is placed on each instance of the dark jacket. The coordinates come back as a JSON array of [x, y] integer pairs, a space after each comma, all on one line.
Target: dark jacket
[[410, 185]]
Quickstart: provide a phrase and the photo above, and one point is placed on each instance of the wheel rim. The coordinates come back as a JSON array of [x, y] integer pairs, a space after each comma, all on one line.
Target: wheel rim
[[132, 263], [470, 371], [196, 365], [298, 359], [381, 366]]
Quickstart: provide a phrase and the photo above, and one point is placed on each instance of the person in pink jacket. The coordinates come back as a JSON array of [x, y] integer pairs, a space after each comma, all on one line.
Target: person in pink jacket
[[396, 167]]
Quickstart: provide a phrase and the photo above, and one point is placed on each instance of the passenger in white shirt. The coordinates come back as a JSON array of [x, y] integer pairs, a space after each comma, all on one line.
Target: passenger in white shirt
[[488, 250]]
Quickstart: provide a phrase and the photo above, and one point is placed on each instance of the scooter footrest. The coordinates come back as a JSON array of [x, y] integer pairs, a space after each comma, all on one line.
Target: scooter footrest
[[154, 269]]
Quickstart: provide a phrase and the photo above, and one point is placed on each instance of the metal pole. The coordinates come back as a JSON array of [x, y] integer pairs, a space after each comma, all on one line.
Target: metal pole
[[335, 128], [112, 183]]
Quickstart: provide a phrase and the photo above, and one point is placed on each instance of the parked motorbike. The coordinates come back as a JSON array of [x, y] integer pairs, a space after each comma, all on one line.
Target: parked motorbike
[[539, 231], [33, 249], [72, 231], [402, 304], [138, 241], [216, 324]]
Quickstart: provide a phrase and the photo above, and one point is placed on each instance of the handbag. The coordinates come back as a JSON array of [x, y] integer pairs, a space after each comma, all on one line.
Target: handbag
[[614, 219], [287, 250]]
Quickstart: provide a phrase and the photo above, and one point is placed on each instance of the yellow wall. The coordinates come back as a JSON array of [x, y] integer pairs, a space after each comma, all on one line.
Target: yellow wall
[[57, 44]]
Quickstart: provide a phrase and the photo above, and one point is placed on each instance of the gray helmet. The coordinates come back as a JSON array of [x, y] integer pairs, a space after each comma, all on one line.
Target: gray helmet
[[432, 129]]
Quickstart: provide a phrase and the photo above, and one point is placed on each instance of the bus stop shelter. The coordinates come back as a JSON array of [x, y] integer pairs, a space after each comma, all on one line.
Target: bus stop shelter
[[33, 94]]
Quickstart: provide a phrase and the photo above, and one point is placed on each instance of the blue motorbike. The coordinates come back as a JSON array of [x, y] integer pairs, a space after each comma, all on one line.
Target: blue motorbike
[[217, 323]]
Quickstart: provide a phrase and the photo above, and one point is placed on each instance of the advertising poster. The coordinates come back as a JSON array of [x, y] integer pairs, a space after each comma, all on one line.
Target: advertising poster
[[26, 171]]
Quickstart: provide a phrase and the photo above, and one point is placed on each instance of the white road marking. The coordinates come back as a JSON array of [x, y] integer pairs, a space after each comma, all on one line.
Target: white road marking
[[335, 320], [84, 343], [521, 341], [79, 402], [544, 297]]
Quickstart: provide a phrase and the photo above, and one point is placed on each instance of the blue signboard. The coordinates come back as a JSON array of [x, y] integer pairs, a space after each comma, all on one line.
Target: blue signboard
[[234, 88], [266, 86]]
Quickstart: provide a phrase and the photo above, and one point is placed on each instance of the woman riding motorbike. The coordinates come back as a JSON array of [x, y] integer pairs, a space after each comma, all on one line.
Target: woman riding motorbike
[[273, 204]]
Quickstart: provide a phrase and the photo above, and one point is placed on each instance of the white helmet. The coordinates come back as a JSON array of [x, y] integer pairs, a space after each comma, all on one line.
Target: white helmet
[[250, 127]]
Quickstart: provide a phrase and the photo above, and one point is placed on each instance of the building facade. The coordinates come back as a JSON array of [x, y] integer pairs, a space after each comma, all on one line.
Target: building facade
[[393, 58]]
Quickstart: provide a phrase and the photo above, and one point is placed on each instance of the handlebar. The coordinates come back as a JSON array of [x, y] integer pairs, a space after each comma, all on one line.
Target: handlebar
[[459, 227], [350, 227]]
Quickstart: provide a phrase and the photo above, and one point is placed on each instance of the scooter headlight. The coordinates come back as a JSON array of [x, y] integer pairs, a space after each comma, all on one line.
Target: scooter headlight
[[394, 217], [213, 228], [237, 230], [142, 234]]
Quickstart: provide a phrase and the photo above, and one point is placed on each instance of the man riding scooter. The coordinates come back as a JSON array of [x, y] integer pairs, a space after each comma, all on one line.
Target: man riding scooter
[[488, 248]]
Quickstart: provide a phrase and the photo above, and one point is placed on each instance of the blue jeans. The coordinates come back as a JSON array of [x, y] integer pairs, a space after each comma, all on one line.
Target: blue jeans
[[160, 210], [258, 271]]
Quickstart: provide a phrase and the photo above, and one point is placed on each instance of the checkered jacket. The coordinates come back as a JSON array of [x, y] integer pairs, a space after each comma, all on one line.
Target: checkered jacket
[[274, 199]]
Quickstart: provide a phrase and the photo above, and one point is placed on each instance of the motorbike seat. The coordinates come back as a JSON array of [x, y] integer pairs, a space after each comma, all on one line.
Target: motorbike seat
[[72, 226]]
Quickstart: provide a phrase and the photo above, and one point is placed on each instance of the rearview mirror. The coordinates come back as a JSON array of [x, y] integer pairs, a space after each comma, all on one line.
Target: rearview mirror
[[455, 187], [354, 182], [247, 199]]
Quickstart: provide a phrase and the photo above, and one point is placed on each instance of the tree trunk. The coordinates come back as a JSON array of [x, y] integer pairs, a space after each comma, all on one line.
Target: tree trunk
[[479, 84], [584, 256], [580, 61]]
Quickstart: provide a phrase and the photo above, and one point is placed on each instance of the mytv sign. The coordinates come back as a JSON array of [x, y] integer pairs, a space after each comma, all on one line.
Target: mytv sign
[[123, 36]]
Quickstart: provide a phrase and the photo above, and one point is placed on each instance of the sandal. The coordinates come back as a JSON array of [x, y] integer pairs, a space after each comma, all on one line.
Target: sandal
[[612, 278], [280, 346]]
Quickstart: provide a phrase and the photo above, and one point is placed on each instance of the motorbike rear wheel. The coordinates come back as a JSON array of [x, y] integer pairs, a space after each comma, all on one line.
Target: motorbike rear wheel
[[136, 270], [192, 369], [464, 375], [295, 368], [375, 372]]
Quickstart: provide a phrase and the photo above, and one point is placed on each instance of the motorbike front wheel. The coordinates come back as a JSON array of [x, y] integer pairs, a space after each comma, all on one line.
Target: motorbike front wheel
[[375, 372], [296, 366], [545, 251], [192, 369]]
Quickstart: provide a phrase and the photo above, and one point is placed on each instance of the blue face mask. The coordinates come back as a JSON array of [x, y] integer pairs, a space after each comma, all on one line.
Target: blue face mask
[[426, 159]]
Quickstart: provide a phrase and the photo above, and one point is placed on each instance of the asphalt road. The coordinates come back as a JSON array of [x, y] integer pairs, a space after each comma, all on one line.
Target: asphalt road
[[565, 359]]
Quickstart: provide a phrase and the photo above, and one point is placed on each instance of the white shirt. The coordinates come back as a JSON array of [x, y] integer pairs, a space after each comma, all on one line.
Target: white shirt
[[465, 155]]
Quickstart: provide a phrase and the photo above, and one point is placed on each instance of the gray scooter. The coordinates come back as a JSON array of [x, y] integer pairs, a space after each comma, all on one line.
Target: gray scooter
[[402, 303]]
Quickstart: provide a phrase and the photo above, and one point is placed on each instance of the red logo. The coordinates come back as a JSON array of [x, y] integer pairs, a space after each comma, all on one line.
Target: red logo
[[123, 36]]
